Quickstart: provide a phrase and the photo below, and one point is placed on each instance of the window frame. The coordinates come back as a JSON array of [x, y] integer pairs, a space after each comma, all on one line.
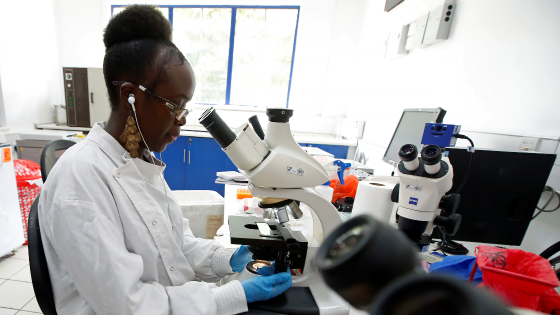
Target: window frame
[[232, 39]]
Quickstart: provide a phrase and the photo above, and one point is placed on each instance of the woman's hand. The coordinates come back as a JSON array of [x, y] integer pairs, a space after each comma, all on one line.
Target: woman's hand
[[267, 286], [240, 258]]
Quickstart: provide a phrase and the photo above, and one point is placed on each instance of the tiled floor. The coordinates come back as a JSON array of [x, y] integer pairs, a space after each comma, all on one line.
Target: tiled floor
[[16, 290]]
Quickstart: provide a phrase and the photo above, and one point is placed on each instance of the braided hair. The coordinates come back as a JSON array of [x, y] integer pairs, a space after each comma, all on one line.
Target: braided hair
[[137, 49]]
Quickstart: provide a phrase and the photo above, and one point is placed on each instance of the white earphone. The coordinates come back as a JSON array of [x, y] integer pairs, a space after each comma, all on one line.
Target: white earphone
[[131, 100]]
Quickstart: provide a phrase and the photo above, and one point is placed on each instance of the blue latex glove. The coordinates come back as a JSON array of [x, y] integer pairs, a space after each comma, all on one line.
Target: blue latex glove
[[240, 258], [267, 286]]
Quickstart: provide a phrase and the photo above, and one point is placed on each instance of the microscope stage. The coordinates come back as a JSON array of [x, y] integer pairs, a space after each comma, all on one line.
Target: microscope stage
[[250, 231]]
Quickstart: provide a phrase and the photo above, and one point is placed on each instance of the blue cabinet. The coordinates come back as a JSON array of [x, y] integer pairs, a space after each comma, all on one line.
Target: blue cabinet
[[175, 158], [192, 164], [206, 158], [339, 151]]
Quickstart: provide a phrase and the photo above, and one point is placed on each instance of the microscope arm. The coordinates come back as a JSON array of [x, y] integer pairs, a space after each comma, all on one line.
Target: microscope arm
[[323, 209]]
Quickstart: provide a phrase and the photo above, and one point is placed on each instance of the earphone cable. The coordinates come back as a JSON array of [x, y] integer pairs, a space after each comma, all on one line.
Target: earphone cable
[[153, 162]]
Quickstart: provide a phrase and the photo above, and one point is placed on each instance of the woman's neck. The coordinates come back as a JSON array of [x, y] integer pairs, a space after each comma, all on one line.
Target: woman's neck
[[115, 127]]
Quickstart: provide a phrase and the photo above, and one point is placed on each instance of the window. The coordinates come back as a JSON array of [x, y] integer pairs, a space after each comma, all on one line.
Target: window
[[241, 55]]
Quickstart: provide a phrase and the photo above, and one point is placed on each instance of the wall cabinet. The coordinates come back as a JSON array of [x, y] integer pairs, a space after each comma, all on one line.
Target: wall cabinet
[[192, 162]]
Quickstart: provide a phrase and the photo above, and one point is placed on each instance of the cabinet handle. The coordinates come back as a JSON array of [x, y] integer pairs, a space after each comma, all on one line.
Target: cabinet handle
[[189, 156], [92, 97], [184, 153]]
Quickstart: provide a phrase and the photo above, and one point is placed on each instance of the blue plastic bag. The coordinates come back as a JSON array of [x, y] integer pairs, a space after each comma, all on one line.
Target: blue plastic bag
[[459, 266]]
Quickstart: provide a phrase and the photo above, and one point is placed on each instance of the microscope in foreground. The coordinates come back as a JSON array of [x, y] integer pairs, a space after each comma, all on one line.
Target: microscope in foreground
[[280, 173]]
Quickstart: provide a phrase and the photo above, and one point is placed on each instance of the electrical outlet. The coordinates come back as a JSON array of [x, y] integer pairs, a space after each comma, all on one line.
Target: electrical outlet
[[529, 144]]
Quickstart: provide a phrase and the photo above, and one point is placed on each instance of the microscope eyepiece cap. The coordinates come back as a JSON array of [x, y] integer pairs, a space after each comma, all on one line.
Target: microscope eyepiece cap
[[279, 115], [408, 152], [431, 155]]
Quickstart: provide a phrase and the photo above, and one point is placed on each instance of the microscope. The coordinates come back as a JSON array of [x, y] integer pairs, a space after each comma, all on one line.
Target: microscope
[[280, 173], [424, 182]]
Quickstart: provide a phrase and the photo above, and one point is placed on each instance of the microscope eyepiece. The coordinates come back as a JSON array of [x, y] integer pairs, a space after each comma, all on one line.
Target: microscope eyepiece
[[408, 152], [431, 157], [217, 127], [409, 155], [279, 115]]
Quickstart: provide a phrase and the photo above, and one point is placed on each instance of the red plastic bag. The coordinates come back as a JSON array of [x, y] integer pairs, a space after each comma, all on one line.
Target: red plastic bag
[[347, 190], [29, 184], [521, 278]]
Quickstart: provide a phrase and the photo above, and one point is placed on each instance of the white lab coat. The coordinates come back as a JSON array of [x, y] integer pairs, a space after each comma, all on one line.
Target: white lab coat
[[112, 246]]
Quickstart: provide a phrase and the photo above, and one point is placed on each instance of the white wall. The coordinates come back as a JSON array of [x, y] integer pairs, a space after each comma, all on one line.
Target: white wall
[[496, 72], [80, 27], [29, 69], [3, 122]]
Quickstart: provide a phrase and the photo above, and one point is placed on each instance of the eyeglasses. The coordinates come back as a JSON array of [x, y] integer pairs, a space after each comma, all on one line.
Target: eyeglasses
[[178, 111]]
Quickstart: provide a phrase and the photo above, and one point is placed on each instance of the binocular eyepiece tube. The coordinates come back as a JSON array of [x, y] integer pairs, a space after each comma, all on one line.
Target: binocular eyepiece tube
[[244, 147], [430, 156], [409, 155], [217, 127]]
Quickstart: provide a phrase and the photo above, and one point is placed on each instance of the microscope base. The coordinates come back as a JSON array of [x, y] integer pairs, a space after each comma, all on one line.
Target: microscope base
[[315, 300], [297, 300]]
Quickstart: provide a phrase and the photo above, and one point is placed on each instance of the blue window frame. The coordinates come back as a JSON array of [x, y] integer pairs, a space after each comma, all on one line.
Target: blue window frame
[[229, 97]]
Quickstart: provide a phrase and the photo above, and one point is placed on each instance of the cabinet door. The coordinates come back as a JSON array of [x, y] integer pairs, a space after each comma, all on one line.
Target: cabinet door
[[205, 159], [228, 165], [339, 151], [175, 158]]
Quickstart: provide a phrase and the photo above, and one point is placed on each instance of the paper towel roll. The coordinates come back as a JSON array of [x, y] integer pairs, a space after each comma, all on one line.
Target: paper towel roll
[[374, 198]]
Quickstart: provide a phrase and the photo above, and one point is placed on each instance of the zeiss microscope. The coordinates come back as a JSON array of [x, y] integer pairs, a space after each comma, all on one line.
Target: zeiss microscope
[[280, 172], [424, 182]]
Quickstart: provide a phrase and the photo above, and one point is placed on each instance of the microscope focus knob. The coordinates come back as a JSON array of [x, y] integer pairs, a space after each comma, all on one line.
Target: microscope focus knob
[[450, 203], [449, 224]]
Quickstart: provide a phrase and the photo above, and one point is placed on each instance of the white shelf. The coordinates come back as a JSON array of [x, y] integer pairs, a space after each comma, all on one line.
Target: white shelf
[[53, 126]]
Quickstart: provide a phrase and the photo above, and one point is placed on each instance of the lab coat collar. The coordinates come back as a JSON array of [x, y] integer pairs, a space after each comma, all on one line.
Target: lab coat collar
[[149, 171], [106, 141], [114, 148]]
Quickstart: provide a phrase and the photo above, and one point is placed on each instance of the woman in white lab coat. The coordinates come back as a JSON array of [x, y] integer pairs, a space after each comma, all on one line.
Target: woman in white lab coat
[[114, 236]]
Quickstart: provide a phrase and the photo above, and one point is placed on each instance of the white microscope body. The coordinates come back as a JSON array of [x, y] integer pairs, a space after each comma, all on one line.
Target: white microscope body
[[277, 167], [424, 183], [421, 196]]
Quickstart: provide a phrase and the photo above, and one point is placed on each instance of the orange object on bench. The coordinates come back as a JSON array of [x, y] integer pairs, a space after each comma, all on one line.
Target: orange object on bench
[[243, 193]]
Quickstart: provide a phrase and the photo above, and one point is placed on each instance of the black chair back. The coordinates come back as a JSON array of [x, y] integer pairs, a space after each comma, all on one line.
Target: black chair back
[[551, 251], [51, 153], [38, 263]]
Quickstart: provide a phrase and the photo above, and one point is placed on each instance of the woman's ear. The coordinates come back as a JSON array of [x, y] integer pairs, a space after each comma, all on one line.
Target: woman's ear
[[126, 89]]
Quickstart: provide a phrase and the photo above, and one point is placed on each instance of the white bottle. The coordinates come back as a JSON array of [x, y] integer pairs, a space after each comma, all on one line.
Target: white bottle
[[325, 191]]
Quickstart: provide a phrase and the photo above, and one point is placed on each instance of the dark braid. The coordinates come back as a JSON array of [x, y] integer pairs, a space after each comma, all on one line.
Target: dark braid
[[137, 48]]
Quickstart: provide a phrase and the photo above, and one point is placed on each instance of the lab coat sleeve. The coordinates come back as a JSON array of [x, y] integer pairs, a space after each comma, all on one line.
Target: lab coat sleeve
[[208, 258], [108, 276]]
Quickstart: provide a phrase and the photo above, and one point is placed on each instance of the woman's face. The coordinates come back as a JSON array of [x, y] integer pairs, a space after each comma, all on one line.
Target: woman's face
[[158, 125]]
